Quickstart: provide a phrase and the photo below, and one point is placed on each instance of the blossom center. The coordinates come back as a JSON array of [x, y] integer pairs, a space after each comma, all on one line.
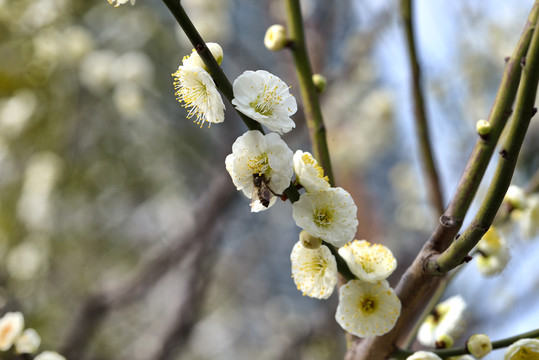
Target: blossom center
[[266, 101], [259, 164], [323, 217], [367, 305]]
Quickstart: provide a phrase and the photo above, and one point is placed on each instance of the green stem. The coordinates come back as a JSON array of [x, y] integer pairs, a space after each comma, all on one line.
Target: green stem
[[313, 113], [524, 110], [445, 353], [219, 77], [342, 267], [429, 167]]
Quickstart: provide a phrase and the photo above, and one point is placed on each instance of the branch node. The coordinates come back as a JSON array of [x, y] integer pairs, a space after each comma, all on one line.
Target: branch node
[[447, 221], [523, 62], [506, 59], [199, 47], [503, 153], [467, 259]]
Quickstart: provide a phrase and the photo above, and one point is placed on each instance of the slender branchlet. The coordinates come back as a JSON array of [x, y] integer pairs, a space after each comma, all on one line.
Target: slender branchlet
[[421, 122]]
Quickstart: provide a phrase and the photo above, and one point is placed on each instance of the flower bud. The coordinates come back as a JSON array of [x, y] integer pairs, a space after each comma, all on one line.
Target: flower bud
[[483, 127], [275, 38], [479, 345], [320, 82], [195, 60], [444, 342], [308, 241]]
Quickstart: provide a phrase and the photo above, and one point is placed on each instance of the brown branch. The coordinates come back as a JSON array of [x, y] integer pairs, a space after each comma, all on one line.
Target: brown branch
[[98, 305]]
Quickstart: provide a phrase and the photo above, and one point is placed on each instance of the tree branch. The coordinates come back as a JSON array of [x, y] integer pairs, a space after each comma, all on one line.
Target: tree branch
[[416, 286], [524, 111], [421, 122]]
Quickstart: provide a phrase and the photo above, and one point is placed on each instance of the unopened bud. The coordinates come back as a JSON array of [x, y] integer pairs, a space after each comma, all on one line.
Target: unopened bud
[[479, 345], [483, 127], [320, 82], [308, 241], [275, 38], [195, 60], [444, 342]]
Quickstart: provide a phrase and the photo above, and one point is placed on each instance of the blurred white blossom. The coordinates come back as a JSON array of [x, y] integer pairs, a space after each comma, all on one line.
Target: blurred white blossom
[[27, 259], [492, 253], [28, 342], [42, 173], [96, 70], [11, 326], [49, 355], [16, 112], [447, 318]]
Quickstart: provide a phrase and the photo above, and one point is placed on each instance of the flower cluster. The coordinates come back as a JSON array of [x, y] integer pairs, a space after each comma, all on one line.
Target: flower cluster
[[117, 3], [368, 306], [23, 341], [262, 166]]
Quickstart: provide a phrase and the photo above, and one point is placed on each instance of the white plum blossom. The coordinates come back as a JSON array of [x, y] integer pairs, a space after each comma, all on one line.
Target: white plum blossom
[[265, 98], [423, 355], [314, 270], [516, 197], [49, 355], [11, 326], [262, 155], [28, 342], [369, 262], [194, 58], [196, 89], [367, 309], [327, 214], [447, 318], [493, 253], [523, 349], [308, 172]]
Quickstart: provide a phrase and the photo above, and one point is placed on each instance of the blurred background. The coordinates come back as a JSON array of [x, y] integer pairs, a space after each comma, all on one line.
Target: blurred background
[[123, 237]]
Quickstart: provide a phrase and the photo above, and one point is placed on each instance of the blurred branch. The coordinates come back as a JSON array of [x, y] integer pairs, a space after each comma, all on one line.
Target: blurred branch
[[445, 353], [524, 111], [309, 94], [416, 286], [422, 128], [96, 307]]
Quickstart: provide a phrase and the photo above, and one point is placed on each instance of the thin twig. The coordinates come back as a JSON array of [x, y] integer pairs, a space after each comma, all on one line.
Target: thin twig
[[421, 122]]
